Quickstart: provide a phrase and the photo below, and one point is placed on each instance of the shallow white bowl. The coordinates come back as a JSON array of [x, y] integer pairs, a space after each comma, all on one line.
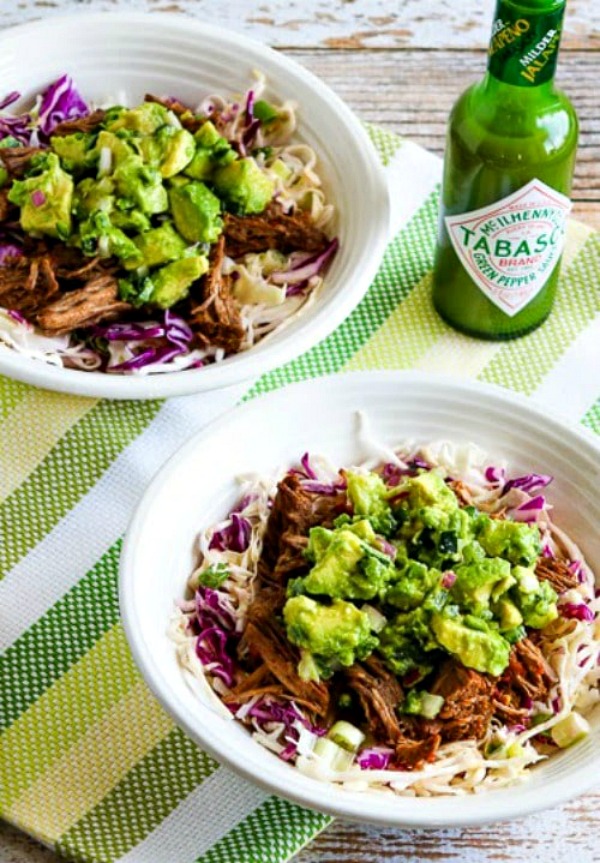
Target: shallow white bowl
[[116, 56], [197, 487]]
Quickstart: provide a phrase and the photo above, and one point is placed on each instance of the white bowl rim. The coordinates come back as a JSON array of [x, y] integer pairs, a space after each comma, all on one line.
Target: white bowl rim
[[255, 362], [431, 812]]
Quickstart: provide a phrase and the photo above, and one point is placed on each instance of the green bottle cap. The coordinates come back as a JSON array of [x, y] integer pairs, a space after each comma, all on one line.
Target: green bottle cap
[[525, 41]]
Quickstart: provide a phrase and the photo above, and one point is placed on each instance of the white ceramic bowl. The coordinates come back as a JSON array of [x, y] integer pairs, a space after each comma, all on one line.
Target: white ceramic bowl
[[114, 55], [197, 487]]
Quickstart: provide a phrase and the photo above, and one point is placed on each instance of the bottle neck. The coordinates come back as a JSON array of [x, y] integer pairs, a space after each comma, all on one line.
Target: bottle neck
[[525, 41]]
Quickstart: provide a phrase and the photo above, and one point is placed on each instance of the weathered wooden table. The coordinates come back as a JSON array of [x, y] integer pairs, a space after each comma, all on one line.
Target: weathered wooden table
[[401, 65]]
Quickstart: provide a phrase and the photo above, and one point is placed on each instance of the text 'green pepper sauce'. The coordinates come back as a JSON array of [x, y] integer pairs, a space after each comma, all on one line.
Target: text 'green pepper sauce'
[[510, 156]]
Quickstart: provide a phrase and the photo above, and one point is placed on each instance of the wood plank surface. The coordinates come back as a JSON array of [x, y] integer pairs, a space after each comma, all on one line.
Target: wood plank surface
[[411, 93], [336, 24], [401, 65]]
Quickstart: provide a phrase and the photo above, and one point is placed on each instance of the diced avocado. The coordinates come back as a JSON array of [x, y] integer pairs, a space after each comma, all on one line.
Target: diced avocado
[[172, 282], [514, 540], [347, 568], [146, 119], [98, 236], [212, 150], [411, 585], [536, 600], [480, 582], [367, 493], [142, 185], [93, 195], [509, 614], [119, 149], [196, 212], [45, 200], [339, 631], [429, 489], [157, 246], [76, 152], [319, 540], [130, 220], [244, 187], [482, 649], [176, 148]]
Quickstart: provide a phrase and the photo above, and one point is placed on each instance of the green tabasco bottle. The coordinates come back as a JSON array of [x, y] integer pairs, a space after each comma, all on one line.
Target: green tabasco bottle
[[510, 156]]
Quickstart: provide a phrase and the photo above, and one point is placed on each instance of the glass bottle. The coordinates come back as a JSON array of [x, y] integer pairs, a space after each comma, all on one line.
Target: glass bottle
[[510, 157]]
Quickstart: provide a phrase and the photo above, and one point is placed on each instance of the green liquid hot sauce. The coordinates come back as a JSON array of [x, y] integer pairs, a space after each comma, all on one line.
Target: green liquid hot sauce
[[510, 156]]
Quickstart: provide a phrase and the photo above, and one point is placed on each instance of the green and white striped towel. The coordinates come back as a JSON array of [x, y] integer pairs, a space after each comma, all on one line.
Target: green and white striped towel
[[89, 763]]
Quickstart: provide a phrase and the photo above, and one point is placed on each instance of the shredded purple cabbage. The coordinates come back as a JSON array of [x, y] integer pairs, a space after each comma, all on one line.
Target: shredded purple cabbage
[[17, 316], [495, 475], [216, 627], [530, 510], [244, 502], [19, 127], [267, 710], [9, 99], [577, 611], [9, 250], [174, 332], [235, 537], [306, 466], [375, 758], [311, 266], [528, 483], [61, 101], [576, 567], [212, 610], [211, 650]]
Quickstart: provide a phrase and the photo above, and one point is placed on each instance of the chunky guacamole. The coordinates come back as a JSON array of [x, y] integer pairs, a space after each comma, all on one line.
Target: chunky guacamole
[[144, 190], [437, 577]]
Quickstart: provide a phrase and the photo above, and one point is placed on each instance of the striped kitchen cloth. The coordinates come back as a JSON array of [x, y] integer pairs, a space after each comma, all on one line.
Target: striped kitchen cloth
[[89, 762]]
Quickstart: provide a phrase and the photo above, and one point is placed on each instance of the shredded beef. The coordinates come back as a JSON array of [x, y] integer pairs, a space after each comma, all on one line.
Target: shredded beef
[[527, 677], [6, 208], [84, 124], [286, 233], [27, 284], [16, 159], [468, 705], [270, 643], [462, 492], [295, 510], [557, 573], [96, 301], [262, 683], [217, 321], [380, 694]]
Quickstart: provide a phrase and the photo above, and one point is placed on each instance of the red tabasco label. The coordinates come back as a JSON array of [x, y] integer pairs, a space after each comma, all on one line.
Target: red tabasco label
[[510, 248]]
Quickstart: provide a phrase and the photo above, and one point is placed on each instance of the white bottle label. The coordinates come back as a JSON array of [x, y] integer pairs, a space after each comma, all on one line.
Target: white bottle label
[[511, 248]]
